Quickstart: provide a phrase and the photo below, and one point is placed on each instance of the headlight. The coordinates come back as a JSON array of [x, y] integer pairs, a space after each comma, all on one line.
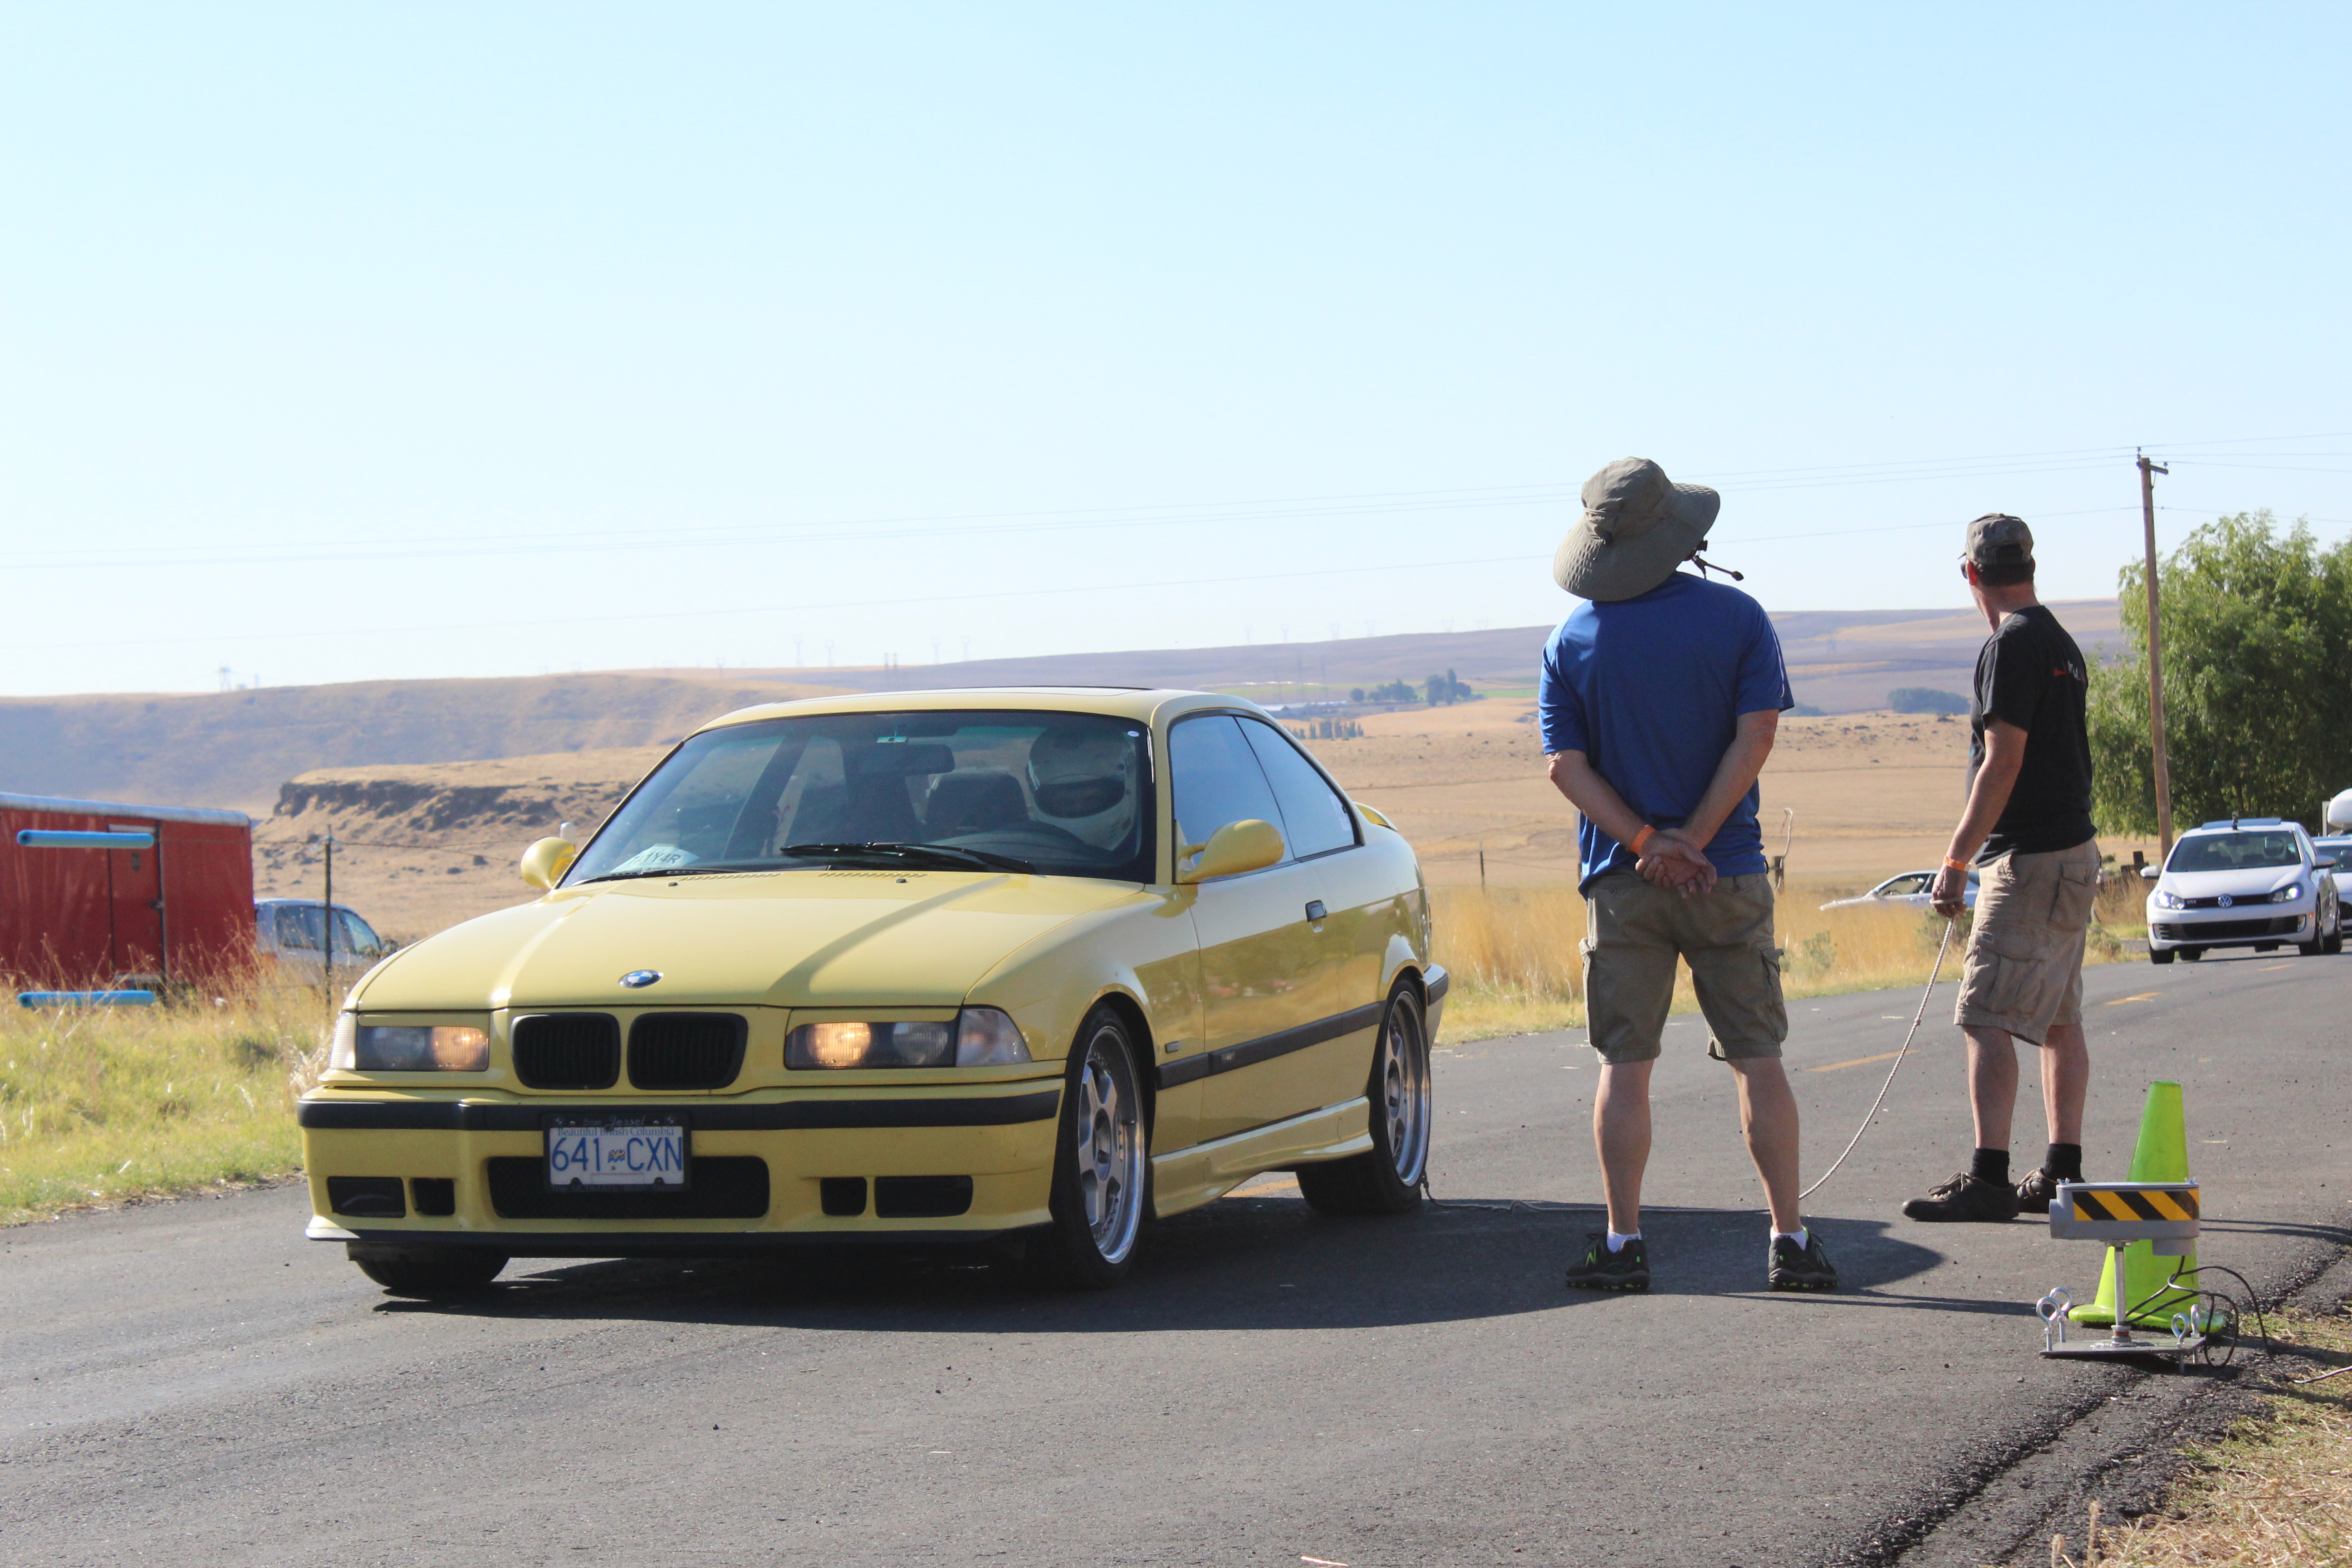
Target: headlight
[[2167, 899], [408, 1048], [2287, 894], [980, 1037]]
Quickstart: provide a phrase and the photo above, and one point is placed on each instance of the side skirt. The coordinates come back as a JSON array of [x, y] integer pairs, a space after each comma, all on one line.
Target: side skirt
[[1190, 1177]]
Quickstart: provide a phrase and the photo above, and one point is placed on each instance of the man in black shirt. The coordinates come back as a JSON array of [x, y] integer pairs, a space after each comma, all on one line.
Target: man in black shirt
[[2028, 826]]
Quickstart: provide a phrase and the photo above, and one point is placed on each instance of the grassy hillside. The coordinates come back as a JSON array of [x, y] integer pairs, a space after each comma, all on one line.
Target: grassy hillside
[[233, 749]]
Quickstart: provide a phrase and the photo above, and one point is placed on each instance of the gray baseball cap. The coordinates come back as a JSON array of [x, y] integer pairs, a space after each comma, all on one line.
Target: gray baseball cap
[[1996, 539], [1638, 526]]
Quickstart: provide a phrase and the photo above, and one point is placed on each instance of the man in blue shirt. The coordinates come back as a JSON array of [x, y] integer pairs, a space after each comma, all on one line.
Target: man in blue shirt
[[1660, 698]]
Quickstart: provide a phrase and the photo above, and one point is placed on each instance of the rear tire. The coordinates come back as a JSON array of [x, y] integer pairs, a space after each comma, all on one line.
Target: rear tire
[[1387, 1179], [2192, 954], [2159, 955], [427, 1271], [1102, 1168]]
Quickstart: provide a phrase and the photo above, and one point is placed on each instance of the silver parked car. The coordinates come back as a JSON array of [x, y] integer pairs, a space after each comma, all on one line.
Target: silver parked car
[[290, 935], [2255, 882], [2338, 848], [1912, 887]]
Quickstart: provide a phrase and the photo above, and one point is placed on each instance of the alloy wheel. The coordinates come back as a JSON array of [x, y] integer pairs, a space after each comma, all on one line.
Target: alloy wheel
[[1404, 1089], [1109, 1145]]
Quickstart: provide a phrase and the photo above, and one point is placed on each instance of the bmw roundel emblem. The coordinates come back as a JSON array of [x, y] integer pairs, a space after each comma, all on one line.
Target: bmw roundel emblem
[[2225, 901], [638, 979]]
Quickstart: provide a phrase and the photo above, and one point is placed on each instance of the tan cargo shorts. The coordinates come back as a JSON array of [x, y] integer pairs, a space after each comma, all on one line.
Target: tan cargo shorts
[[1635, 930], [2024, 971]]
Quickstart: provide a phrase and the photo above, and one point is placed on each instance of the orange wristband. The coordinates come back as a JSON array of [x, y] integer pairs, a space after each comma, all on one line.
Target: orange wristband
[[1952, 865], [1640, 838]]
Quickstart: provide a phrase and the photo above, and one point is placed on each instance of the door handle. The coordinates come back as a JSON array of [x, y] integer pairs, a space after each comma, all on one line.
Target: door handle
[[1315, 910]]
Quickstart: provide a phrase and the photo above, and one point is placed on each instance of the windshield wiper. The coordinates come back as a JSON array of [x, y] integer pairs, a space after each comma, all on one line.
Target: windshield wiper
[[699, 871], [979, 858]]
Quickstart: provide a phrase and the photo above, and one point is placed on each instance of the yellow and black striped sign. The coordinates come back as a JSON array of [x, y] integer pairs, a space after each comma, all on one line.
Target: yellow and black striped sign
[[2134, 1203]]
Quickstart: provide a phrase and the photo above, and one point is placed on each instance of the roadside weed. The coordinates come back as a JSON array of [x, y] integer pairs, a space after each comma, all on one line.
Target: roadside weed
[[102, 1104]]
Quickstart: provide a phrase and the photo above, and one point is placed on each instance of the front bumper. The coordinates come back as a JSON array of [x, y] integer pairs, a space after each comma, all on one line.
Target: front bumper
[[2243, 926], [977, 1161]]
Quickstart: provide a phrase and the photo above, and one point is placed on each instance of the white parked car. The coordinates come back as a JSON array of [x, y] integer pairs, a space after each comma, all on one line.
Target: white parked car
[[2338, 848], [2255, 882], [288, 933], [1912, 887]]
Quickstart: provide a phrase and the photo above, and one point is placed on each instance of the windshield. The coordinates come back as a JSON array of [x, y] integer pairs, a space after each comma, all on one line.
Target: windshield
[[1063, 793], [2234, 851]]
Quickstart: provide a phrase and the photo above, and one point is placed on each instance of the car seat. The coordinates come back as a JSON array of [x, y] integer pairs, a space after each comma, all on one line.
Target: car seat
[[979, 801]]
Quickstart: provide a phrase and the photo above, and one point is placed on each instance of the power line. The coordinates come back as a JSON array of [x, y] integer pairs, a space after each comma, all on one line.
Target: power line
[[988, 524]]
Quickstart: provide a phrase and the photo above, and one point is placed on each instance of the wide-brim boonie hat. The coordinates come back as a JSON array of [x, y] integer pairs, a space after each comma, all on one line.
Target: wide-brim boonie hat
[[1638, 526]]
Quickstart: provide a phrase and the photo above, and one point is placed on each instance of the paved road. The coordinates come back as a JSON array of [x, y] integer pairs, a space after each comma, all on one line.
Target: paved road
[[193, 1381]]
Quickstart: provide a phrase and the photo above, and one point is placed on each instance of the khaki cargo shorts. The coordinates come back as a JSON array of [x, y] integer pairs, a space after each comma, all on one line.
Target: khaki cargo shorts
[[2025, 967], [1636, 930]]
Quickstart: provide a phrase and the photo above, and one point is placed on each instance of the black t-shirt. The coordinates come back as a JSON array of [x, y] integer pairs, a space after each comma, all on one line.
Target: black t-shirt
[[2031, 674]]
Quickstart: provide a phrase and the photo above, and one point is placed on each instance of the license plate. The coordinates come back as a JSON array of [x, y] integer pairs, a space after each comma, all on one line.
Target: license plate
[[618, 1150]]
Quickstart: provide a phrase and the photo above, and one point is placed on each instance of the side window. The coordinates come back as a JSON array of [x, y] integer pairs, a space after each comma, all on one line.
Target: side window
[[1314, 820], [1216, 778], [299, 926], [355, 936]]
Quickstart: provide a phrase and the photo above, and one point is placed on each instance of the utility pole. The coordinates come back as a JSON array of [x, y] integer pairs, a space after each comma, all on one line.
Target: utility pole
[[327, 923], [2148, 472]]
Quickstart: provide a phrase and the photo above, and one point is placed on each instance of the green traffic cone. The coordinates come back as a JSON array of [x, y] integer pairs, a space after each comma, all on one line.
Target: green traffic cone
[[2161, 1155]]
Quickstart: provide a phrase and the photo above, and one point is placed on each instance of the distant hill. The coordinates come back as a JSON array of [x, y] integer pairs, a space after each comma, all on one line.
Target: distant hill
[[235, 749], [1841, 661]]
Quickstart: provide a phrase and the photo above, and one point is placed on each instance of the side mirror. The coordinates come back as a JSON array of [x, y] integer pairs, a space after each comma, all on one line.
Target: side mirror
[[544, 863], [2150, 873], [2324, 863], [1248, 845]]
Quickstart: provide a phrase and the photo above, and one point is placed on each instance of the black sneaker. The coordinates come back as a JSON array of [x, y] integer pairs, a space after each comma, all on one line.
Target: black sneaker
[[1627, 1268], [1791, 1268], [2037, 1191], [1966, 1198]]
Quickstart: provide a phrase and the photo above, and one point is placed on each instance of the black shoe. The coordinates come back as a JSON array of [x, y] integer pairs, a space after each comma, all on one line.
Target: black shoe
[[2037, 1191], [1966, 1198], [1789, 1267], [1627, 1268]]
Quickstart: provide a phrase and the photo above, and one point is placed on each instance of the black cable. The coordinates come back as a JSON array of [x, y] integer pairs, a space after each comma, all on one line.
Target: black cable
[[2254, 1304]]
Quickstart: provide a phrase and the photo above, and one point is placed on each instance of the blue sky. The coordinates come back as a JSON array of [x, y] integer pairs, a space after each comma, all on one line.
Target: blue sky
[[344, 343]]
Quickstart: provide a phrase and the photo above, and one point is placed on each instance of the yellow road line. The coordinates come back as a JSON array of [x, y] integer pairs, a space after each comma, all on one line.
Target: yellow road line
[[2143, 996], [1857, 1062], [2289, 964]]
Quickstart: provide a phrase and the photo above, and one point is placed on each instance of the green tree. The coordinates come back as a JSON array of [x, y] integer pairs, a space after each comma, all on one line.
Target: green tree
[[2257, 706]]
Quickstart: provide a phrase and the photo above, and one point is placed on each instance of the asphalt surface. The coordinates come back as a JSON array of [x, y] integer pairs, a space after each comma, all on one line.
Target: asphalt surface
[[193, 1381]]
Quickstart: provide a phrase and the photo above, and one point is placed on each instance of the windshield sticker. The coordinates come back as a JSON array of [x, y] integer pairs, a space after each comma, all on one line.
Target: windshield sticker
[[660, 857]]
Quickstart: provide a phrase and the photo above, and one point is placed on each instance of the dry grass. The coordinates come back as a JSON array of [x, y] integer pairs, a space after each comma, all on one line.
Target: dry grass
[[2274, 1493], [1516, 966], [101, 1105]]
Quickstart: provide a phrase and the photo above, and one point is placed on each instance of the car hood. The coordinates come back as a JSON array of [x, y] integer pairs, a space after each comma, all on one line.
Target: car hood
[[784, 939], [2255, 881]]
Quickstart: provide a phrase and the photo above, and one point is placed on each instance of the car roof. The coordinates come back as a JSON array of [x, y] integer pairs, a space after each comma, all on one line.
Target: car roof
[[301, 903], [2232, 825], [1138, 702]]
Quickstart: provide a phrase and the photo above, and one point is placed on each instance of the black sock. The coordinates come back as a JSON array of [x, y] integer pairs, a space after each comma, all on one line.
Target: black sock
[[1991, 1165], [2064, 1163]]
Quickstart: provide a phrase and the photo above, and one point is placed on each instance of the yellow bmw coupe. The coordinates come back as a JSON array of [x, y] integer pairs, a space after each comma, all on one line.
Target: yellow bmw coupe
[[1023, 967]]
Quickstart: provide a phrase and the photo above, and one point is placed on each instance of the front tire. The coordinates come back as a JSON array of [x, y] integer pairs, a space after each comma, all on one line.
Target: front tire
[[1387, 1178], [1102, 1163], [427, 1271], [2159, 955]]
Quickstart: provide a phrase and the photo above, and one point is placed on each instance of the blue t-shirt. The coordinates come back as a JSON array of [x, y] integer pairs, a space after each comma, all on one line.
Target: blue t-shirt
[[1649, 690]]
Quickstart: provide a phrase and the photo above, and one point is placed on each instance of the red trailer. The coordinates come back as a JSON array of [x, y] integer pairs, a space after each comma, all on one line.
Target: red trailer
[[92, 892]]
